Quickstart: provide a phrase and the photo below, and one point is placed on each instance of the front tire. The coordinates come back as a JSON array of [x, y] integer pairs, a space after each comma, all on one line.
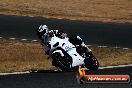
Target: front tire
[[54, 63], [61, 62], [91, 62]]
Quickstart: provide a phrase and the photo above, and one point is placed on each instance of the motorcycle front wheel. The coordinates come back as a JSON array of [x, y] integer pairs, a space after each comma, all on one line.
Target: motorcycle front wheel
[[91, 62], [61, 62]]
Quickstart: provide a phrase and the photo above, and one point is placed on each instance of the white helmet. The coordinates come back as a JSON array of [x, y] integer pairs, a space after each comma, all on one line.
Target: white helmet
[[43, 29]]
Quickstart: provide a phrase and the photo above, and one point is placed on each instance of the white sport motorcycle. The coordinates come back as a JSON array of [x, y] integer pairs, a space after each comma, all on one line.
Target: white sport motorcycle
[[67, 56]]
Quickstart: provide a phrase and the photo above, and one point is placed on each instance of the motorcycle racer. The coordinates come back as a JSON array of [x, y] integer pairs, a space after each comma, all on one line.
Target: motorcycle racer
[[45, 35], [47, 41]]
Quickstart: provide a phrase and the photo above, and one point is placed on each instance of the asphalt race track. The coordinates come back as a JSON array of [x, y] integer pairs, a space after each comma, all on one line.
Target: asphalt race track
[[111, 34], [47, 79]]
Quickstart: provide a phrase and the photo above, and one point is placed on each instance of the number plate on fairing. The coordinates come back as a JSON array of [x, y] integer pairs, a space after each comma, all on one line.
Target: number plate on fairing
[[67, 48]]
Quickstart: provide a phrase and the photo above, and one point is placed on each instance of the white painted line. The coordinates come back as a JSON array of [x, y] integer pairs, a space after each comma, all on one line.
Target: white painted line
[[31, 16], [12, 38], [88, 45], [24, 39], [125, 48], [59, 18], [56, 70], [14, 73], [102, 46], [72, 19], [116, 47], [46, 16], [34, 40], [27, 72], [118, 66]]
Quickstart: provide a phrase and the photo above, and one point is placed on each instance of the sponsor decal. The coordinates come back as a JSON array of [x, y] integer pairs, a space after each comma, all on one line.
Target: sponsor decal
[[107, 78], [83, 78]]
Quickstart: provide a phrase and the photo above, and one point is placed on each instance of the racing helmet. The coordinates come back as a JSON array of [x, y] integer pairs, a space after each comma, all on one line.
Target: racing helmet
[[43, 29]]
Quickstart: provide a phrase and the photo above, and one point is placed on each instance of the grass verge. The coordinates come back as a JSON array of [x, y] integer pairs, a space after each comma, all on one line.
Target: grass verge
[[22, 56], [91, 10]]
